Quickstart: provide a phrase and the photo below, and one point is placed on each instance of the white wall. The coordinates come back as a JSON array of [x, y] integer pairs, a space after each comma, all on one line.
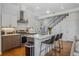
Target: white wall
[[9, 15], [69, 26]]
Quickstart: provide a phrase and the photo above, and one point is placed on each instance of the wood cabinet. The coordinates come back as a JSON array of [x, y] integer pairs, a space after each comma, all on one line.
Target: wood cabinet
[[10, 41]]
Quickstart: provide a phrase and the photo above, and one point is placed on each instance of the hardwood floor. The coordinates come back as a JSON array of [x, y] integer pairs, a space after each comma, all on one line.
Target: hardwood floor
[[15, 52], [21, 51], [64, 52]]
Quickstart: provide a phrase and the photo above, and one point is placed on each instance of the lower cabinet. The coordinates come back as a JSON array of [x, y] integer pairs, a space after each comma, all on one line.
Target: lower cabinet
[[10, 41]]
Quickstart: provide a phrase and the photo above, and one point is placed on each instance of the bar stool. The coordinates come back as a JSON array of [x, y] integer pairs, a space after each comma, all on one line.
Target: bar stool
[[47, 42], [57, 43], [61, 34]]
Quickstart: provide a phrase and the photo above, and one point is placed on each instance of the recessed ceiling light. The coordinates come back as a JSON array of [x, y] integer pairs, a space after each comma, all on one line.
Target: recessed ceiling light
[[48, 11], [22, 7]]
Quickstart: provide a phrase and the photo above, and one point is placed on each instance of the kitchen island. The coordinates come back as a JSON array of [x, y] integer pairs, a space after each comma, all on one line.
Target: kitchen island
[[37, 39], [37, 42]]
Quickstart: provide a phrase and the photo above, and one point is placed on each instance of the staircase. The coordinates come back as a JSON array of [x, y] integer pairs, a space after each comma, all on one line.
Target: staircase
[[53, 21], [56, 19]]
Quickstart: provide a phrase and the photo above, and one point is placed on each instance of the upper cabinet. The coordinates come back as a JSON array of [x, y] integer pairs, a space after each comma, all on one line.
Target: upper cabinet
[[10, 15]]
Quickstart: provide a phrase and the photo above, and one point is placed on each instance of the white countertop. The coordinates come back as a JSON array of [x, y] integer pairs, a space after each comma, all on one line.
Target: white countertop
[[38, 36], [10, 34], [41, 36]]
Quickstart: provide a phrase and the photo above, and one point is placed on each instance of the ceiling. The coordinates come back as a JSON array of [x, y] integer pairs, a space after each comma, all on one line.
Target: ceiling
[[40, 9]]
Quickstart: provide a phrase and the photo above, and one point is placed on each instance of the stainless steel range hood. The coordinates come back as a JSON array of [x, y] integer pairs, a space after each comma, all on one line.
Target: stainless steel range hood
[[22, 20]]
